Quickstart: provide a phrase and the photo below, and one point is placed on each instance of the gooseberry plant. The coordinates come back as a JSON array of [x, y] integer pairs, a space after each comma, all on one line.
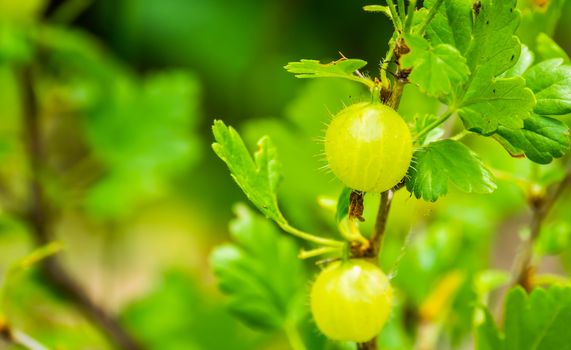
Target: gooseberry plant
[[466, 55]]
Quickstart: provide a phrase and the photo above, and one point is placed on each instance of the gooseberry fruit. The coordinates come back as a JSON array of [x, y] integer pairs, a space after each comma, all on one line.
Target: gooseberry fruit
[[351, 301], [368, 147]]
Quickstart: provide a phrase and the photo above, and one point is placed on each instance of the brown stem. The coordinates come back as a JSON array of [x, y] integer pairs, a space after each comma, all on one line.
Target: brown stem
[[524, 270], [381, 221], [370, 345], [40, 217]]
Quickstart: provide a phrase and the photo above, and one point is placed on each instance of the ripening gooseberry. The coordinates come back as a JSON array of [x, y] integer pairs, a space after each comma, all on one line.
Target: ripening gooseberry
[[351, 301], [368, 147]]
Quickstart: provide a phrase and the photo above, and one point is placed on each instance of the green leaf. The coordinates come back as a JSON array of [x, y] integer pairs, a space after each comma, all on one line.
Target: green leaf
[[551, 83], [554, 238], [538, 321], [490, 101], [452, 24], [438, 163], [420, 123], [343, 204], [436, 70], [260, 273], [547, 48], [525, 61], [494, 47], [342, 68], [541, 139], [487, 334], [257, 177], [178, 313], [502, 102], [141, 131]]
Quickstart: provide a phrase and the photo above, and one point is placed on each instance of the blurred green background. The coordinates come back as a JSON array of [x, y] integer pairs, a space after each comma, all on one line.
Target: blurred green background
[[125, 94]]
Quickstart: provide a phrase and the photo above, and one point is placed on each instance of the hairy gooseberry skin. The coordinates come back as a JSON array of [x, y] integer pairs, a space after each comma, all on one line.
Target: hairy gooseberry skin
[[368, 147], [351, 301]]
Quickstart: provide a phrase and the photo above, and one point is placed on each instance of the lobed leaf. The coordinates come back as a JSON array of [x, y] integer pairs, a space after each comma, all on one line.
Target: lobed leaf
[[494, 47], [490, 101], [502, 102], [550, 81], [435, 69], [538, 321], [260, 273], [342, 68], [541, 139], [525, 61], [452, 24], [440, 162], [257, 177]]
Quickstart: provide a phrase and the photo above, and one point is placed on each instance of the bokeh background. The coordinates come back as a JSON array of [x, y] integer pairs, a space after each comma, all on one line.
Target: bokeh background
[[125, 93]]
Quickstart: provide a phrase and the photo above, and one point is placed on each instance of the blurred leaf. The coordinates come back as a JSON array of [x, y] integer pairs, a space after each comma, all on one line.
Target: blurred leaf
[[434, 165], [488, 280], [175, 315], [541, 139], [550, 81], [554, 238], [394, 335], [260, 273], [487, 334], [342, 68], [537, 321], [15, 44], [435, 69], [428, 257], [258, 178], [452, 24], [143, 136], [547, 48], [538, 16]]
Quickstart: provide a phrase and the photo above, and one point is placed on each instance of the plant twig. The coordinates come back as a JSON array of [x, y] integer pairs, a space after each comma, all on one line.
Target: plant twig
[[308, 236], [40, 217], [381, 221], [410, 15], [395, 16], [370, 345], [19, 338], [430, 16], [523, 270]]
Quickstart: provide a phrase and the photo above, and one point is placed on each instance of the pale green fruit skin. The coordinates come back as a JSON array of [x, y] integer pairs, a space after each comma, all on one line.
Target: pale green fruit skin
[[351, 301], [368, 147]]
